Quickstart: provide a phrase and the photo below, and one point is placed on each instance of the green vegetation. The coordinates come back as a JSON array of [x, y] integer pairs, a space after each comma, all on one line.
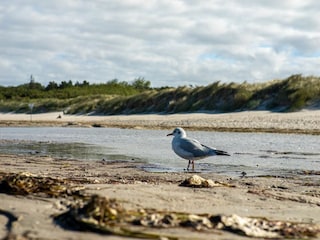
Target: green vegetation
[[114, 97]]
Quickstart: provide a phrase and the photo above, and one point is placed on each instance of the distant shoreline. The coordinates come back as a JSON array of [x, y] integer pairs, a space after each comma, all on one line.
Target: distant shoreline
[[302, 122]]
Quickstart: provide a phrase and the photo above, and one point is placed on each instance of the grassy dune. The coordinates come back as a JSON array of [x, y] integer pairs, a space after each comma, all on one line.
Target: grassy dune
[[291, 94]]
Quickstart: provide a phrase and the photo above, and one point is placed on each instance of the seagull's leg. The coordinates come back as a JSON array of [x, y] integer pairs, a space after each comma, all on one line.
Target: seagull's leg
[[193, 165], [188, 165]]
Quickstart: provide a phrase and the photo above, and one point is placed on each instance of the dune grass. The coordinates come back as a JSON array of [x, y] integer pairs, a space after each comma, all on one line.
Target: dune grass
[[290, 94]]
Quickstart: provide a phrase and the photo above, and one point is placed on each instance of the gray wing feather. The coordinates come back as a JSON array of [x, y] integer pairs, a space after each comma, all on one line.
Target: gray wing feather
[[195, 148]]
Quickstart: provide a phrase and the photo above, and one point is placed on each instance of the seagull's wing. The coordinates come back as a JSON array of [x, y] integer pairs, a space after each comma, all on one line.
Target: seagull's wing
[[194, 148], [213, 151]]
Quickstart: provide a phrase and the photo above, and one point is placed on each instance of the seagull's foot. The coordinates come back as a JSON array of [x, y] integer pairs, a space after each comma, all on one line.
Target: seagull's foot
[[192, 165], [188, 165]]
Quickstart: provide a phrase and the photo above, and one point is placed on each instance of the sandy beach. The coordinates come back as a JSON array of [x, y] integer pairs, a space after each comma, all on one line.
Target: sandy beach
[[294, 199], [306, 121], [28, 212]]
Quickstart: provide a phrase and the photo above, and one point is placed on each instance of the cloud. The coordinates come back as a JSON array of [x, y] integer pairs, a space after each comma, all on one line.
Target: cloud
[[169, 42]]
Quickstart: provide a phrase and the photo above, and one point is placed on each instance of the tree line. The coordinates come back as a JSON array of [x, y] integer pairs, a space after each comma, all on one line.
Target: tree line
[[68, 89]]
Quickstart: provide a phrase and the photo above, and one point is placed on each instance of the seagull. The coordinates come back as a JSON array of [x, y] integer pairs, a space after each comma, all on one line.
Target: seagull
[[191, 149]]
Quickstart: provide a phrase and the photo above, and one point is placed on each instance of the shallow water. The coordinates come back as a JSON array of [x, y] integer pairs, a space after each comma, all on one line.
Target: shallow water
[[253, 153]]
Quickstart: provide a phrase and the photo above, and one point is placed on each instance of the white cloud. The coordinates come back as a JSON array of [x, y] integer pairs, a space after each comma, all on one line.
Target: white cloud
[[169, 42]]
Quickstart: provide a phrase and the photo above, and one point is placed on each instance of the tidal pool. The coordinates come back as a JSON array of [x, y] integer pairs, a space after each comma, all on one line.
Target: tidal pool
[[252, 153]]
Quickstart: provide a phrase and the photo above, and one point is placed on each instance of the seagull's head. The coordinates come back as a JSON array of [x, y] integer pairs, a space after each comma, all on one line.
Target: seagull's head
[[178, 132]]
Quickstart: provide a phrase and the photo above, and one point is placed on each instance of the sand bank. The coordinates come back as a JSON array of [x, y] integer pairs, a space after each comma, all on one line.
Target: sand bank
[[294, 199], [307, 121]]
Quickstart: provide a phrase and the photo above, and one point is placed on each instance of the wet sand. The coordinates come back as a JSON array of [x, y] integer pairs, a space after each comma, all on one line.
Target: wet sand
[[294, 199]]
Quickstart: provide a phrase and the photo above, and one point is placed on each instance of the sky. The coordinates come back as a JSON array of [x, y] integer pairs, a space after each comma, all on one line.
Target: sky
[[167, 42]]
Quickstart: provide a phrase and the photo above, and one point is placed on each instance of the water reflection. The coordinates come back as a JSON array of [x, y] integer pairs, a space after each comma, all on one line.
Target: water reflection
[[80, 151]]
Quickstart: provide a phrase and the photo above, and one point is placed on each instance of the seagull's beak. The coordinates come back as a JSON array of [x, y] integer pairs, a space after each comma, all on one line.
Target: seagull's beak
[[170, 134]]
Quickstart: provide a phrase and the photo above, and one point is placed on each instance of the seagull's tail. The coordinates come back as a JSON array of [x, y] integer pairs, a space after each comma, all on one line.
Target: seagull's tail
[[220, 152]]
